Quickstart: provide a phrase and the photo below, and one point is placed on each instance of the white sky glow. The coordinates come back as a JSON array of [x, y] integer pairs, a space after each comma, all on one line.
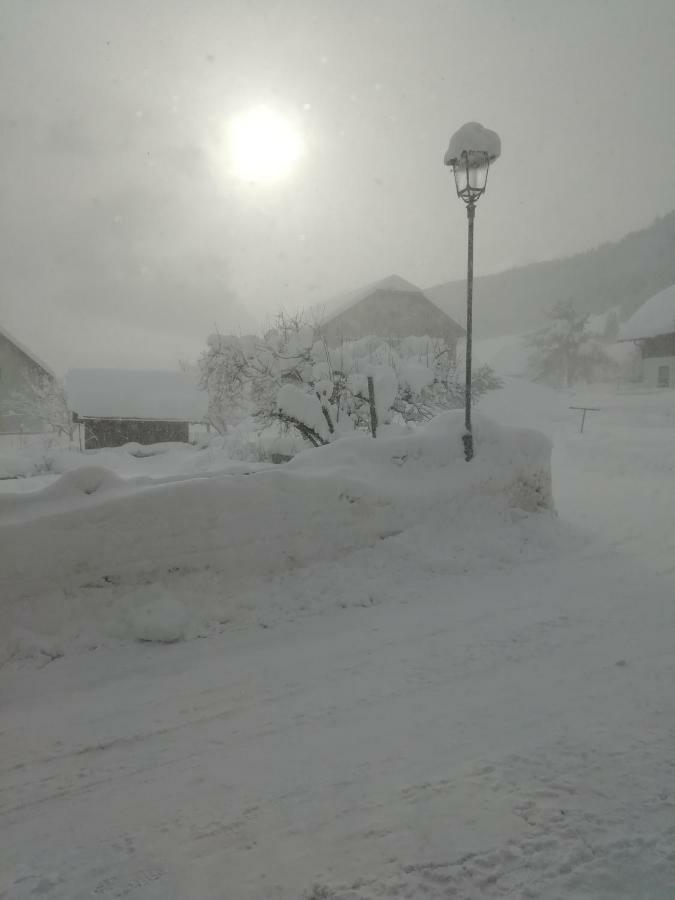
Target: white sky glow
[[262, 145]]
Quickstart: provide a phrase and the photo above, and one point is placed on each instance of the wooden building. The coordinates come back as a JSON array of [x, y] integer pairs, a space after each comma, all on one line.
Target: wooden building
[[390, 308]]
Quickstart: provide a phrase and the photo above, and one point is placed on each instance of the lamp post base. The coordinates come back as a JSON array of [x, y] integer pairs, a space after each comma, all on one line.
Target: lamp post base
[[467, 440]]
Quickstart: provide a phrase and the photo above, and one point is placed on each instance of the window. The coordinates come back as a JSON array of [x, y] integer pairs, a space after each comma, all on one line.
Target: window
[[663, 379]]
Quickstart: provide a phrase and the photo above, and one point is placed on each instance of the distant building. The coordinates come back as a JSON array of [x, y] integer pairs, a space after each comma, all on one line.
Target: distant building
[[390, 308], [19, 368], [652, 328], [118, 406]]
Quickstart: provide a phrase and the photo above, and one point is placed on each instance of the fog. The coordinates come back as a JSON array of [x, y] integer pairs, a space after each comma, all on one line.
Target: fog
[[125, 240]]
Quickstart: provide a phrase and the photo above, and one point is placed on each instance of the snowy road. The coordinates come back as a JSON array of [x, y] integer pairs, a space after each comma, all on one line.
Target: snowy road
[[503, 733]]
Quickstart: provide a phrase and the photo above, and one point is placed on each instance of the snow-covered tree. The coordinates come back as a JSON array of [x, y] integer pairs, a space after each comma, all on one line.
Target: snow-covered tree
[[564, 351], [290, 376], [43, 399]]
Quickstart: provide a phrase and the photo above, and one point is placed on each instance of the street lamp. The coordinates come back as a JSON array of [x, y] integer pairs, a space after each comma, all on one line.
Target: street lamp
[[470, 153]]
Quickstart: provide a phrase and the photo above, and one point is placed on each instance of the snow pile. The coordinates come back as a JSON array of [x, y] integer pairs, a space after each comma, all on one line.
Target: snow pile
[[22, 464], [77, 488], [92, 535], [426, 465], [474, 140], [159, 616], [86, 480], [33, 468]]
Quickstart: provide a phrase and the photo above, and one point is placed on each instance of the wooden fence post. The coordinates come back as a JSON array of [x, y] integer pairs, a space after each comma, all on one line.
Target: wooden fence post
[[373, 410]]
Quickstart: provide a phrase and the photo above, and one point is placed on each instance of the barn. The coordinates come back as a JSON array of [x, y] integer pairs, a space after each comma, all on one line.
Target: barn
[[120, 406], [389, 308], [652, 328]]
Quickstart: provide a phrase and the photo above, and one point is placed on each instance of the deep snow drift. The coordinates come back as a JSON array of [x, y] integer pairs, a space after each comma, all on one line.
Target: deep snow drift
[[104, 541]]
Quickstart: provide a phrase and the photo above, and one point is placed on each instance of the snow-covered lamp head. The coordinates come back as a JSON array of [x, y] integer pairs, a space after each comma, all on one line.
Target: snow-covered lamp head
[[470, 153]]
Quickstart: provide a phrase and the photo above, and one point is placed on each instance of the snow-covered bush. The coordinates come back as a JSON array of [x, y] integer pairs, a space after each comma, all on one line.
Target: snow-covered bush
[[291, 376], [566, 351]]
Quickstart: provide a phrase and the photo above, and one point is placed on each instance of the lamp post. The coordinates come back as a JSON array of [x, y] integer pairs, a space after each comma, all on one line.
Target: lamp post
[[471, 150]]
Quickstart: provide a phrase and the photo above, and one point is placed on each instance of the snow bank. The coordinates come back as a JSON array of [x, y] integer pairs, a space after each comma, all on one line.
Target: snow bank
[[430, 461], [77, 488], [92, 535]]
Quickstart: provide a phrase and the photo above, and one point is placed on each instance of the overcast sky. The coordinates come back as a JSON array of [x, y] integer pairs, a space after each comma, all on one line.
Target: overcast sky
[[124, 241]]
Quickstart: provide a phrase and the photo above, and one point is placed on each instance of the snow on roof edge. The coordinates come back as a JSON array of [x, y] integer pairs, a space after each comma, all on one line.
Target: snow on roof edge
[[655, 317], [26, 352], [394, 283]]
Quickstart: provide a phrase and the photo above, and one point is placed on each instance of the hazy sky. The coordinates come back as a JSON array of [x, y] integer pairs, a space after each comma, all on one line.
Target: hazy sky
[[124, 241]]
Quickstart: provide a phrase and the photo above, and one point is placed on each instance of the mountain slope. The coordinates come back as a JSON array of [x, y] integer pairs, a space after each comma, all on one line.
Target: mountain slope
[[625, 274]]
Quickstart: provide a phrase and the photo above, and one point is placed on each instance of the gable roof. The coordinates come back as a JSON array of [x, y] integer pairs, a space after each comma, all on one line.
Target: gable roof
[[391, 285], [164, 396], [26, 352], [653, 318]]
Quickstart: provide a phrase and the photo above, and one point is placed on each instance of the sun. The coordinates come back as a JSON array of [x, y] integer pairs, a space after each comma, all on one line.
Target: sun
[[263, 145]]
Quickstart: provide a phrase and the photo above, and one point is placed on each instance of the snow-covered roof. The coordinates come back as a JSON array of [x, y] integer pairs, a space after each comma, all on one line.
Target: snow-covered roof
[[655, 317], [392, 283], [136, 394], [420, 312], [26, 352]]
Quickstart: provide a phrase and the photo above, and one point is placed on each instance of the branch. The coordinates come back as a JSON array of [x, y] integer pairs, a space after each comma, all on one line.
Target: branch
[[306, 431], [326, 414]]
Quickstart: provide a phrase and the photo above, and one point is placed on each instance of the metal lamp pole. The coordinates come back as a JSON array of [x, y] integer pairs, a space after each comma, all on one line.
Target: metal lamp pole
[[467, 438], [470, 169]]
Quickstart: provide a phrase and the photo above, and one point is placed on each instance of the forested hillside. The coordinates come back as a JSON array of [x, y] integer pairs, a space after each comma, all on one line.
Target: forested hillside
[[624, 274]]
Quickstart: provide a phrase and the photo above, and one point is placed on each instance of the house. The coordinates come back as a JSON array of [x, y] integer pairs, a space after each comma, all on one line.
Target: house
[[652, 328], [118, 406], [390, 308], [20, 371]]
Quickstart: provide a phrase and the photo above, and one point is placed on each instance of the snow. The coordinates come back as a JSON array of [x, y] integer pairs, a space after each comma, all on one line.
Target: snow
[[411, 688], [508, 355], [597, 323], [300, 405], [473, 138], [655, 317], [158, 617], [92, 525], [131, 394], [416, 375]]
